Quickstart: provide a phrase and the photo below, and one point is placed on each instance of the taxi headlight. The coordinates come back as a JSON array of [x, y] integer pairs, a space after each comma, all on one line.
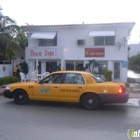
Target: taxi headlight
[[8, 88]]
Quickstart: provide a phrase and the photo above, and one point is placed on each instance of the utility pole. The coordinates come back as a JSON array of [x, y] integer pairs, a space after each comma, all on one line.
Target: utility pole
[[139, 36], [0, 19], [0, 11]]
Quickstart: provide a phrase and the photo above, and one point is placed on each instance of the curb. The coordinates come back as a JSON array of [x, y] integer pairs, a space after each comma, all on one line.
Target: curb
[[3, 86], [134, 102]]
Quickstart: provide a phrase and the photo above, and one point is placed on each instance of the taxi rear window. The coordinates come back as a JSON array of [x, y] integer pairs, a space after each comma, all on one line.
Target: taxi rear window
[[97, 78]]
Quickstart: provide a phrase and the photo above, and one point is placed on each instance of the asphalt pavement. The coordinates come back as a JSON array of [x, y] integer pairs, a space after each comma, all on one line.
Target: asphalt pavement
[[39, 120]]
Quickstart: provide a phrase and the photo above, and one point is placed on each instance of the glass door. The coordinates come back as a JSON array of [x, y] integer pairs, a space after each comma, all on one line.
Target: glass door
[[79, 65], [116, 70], [37, 66]]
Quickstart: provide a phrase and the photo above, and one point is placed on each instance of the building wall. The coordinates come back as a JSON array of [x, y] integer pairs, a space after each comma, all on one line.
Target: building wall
[[68, 36], [67, 48], [6, 70]]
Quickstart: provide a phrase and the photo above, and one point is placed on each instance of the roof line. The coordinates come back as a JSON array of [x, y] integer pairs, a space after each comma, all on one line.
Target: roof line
[[77, 24]]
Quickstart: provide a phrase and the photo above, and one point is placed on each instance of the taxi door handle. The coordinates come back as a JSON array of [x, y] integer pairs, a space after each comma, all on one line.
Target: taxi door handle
[[80, 87], [56, 86]]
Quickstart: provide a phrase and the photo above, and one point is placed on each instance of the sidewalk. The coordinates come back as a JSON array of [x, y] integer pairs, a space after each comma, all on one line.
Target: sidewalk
[[133, 93], [1, 90]]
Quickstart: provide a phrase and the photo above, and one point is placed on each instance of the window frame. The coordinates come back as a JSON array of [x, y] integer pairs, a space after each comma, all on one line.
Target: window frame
[[104, 41], [47, 42]]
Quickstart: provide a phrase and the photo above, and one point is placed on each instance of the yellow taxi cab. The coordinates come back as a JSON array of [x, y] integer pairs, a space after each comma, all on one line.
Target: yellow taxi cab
[[69, 86]]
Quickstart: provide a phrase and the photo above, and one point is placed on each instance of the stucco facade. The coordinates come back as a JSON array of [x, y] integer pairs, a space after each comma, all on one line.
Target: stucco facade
[[73, 46]]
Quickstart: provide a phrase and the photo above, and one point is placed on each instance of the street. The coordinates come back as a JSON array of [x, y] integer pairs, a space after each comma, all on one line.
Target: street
[[61, 121]]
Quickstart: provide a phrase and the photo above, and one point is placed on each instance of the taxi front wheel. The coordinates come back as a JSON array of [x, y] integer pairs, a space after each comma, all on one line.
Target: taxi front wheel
[[20, 97], [90, 101]]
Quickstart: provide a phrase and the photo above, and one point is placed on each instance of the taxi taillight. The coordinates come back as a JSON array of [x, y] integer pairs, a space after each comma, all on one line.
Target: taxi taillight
[[121, 90]]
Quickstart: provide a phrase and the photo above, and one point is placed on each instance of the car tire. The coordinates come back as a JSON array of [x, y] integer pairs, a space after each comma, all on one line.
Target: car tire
[[20, 97], [90, 101]]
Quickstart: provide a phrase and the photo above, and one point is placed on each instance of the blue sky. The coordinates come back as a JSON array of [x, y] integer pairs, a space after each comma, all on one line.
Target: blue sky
[[43, 12]]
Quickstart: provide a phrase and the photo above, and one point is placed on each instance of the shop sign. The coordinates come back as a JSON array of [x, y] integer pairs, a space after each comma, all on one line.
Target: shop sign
[[44, 53], [124, 64], [94, 52]]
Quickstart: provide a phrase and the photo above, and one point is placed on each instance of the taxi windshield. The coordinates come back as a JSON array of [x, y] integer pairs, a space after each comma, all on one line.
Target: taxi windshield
[[97, 78]]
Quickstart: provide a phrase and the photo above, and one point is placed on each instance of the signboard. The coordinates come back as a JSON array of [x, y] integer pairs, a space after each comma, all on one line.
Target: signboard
[[43, 53], [48, 53], [124, 64], [94, 52]]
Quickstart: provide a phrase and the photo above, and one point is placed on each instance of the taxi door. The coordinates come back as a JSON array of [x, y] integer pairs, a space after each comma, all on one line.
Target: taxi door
[[72, 87], [48, 89]]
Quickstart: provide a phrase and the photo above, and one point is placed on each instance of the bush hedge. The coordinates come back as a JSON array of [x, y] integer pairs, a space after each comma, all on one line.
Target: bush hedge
[[108, 75], [8, 79]]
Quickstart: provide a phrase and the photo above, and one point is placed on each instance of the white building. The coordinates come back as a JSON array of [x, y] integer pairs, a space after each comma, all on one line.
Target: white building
[[74, 45]]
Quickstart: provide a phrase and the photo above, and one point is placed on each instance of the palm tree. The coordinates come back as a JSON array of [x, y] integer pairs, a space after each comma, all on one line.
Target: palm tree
[[22, 40], [92, 64], [8, 25], [8, 30], [8, 47]]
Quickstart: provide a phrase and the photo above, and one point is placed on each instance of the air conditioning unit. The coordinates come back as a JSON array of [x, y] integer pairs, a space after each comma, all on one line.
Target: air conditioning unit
[[81, 42]]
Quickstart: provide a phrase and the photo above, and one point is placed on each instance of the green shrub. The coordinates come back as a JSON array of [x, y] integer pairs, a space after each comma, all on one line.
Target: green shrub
[[24, 67], [108, 75], [8, 80], [14, 79]]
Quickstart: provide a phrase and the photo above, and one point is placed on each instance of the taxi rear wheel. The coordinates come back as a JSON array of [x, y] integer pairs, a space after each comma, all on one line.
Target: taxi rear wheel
[[90, 101], [20, 97]]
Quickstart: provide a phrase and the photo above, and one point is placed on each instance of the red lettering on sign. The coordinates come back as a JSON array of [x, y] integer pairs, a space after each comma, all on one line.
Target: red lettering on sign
[[94, 52], [40, 53], [33, 53], [50, 54]]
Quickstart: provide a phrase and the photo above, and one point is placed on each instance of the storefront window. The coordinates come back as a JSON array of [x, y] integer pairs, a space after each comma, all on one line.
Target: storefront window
[[79, 66], [102, 67], [70, 65], [74, 65]]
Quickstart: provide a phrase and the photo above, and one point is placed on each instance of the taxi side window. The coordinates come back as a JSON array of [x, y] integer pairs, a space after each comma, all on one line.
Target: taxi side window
[[80, 79], [52, 79], [72, 78], [69, 78]]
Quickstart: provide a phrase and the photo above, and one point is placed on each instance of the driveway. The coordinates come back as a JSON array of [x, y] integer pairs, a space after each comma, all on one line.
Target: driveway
[[132, 74]]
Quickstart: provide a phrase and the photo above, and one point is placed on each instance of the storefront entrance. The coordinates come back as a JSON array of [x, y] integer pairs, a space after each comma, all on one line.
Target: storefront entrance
[[37, 66], [117, 70]]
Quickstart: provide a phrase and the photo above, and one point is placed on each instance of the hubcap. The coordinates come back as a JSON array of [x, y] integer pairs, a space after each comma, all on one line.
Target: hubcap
[[20, 97], [90, 101]]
